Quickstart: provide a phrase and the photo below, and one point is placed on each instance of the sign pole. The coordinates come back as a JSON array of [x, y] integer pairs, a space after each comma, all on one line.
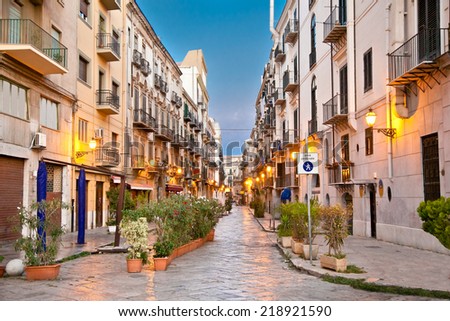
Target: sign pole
[[308, 182]]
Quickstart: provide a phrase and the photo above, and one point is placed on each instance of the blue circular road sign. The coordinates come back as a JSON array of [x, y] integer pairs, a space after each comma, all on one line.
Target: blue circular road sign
[[308, 166]]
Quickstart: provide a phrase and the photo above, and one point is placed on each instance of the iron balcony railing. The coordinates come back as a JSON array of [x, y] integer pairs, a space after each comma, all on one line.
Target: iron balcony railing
[[26, 32], [336, 20], [107, 97], [335, 106], [425, 46], [291, 30], [340, 173], [145, 67], [107, 156], [289, 80], [137, 56], [137, 161], [141, 116], [106, 41]]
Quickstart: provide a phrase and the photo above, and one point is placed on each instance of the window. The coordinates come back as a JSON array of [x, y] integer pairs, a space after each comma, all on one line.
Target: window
[[115, 140], [311, 3], [56, 38], [345, 148], [144, 103], [368, 70], [312, 55], [296, 123], [313, 123], [84, 9], [136, 42], [430, 167], [49, 114], [136, 98], [369, 141], [13, 99], [82, 130], [343, 90], [83, 69]]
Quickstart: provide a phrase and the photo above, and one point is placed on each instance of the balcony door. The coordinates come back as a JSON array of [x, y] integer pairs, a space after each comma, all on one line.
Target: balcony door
[[15, 15], [428, 29]]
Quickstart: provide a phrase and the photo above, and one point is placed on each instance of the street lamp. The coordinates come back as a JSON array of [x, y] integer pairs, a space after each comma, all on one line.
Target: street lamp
[[371, 118], [92, 146]]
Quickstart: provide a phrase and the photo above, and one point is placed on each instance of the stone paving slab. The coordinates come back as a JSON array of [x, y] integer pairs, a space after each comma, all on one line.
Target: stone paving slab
[[385, 263]]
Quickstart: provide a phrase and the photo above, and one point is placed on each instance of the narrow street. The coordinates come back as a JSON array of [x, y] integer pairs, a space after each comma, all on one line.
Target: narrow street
[[241, 264]]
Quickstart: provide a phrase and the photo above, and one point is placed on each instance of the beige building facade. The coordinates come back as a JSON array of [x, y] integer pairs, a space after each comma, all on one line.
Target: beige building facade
[[353, 59]]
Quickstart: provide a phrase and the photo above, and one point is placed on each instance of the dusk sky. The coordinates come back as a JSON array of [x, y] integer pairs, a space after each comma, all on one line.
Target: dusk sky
[[236, 41]]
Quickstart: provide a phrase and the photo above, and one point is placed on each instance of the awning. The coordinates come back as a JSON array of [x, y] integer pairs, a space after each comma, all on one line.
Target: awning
[[174, 188], [115, 179], [139, 186]]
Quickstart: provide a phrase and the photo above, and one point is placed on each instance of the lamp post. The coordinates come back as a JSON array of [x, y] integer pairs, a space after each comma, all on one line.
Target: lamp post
[[371, 118]]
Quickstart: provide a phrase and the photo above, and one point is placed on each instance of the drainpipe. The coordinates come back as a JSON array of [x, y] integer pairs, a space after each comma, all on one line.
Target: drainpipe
[[388, 92], [272, 29]]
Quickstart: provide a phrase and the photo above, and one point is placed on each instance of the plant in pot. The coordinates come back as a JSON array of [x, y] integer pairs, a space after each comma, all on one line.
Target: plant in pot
[[111, 222], [284, 230], [334, 225], [134, 228], [41, 239], [2, 268], [298, 213]]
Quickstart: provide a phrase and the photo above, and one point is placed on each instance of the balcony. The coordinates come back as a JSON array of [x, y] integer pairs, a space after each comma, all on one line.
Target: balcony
[[111, 4], [312, 127], [288, 139], [178, 140], [279, 97], [416, 58], [28, 43], [137, 161], [136, 59], [108, 102], [143, 120], [280, 55], [145, 67], [108, 47], [291, 31], [335, 27], [187, 113], [107, 157], [164, 133], [335, 111], [340, 173], [290, 81]]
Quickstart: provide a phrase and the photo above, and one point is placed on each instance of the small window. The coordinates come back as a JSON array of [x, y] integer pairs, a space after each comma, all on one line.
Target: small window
[[82, 130], [368, 81], [345, 148], [49, 115], [83, 69], [13, 99], [84, 9], [136, 98], [369, 141]]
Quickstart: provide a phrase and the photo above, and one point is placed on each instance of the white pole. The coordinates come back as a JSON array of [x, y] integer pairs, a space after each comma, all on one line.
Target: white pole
[[308, 198]]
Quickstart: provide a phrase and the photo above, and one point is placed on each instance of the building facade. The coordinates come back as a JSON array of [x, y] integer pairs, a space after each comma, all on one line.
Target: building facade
[[352, 60], [90, 85]]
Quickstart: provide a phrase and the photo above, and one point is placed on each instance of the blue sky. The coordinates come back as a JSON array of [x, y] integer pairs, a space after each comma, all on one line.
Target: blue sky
[[236, 41]]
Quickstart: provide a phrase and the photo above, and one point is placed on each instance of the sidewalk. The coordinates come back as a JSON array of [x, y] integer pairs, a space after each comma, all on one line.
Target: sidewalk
[[385, 263]]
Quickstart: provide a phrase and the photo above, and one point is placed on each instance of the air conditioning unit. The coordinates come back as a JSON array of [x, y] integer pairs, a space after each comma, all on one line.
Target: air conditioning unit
[[98, 133], [40, 140]]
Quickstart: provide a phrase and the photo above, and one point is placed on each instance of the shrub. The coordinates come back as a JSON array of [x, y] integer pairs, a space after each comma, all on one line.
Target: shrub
[[259, 207], [436, 219], [334, 224], [135, 229]]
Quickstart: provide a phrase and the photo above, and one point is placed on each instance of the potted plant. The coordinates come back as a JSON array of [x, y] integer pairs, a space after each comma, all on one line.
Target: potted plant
[[284, 230], [41, 239], [2, 268], [111, 222], [315, 226], [135, 230], [334, 225]]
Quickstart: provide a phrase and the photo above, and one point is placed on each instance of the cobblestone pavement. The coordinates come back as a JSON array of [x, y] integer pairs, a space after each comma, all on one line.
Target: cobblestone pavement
[[241, 264]]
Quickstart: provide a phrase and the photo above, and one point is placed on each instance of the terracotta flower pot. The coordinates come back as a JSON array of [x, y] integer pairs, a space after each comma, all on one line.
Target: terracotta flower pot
[[160, 263], [42, 272], [134, 265], [210, 236]]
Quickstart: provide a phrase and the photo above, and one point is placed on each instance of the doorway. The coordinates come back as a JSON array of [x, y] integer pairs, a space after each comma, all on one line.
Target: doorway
[[373, 210], [99, 204], [348, 203]]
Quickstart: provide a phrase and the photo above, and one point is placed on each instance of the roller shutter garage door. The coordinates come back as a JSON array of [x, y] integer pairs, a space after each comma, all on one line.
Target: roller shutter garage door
[[11, 195]]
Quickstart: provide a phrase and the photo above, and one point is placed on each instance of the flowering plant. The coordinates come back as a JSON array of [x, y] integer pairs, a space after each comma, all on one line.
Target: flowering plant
[[135, 230]]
